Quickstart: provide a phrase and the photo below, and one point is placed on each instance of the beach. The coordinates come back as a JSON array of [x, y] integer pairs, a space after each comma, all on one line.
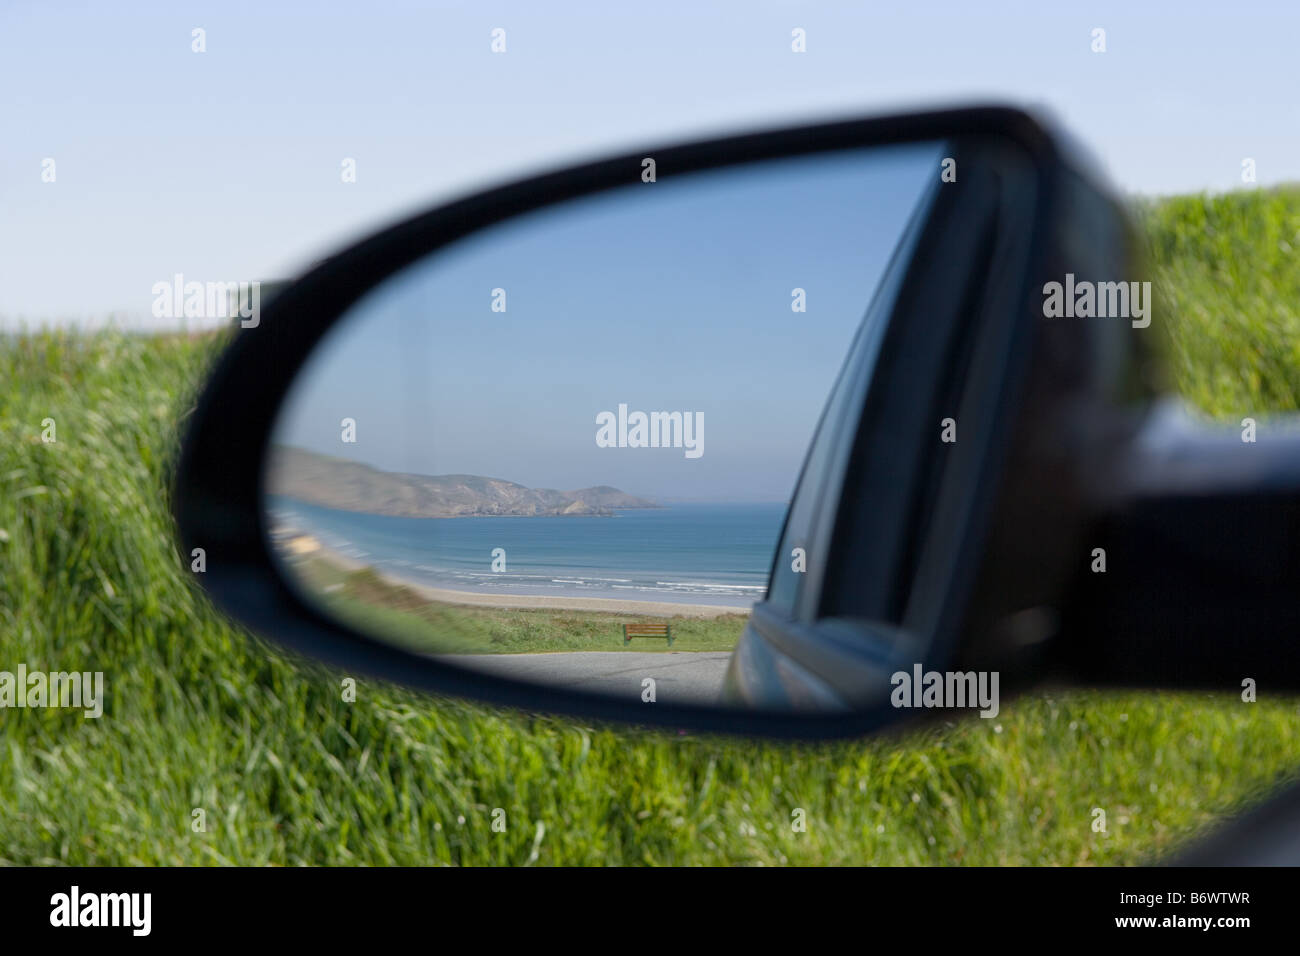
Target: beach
[[304, 545]]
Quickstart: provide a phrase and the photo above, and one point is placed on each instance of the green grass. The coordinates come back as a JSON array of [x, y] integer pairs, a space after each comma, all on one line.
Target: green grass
[[201, 716], [376, 605], [1227, 289]]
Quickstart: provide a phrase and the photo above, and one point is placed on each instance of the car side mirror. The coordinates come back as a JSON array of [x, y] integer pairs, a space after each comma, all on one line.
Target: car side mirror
[[796, 433]]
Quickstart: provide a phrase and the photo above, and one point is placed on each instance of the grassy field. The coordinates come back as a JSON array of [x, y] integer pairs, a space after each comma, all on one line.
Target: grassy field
[[375, 605], [199, 716], [1226, 281]]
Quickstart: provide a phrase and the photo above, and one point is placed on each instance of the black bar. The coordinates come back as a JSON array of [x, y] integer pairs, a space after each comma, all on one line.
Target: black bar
[[645, 907]]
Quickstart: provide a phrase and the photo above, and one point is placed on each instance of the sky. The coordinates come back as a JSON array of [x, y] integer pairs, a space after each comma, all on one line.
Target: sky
[[226, 164], [673, 296]]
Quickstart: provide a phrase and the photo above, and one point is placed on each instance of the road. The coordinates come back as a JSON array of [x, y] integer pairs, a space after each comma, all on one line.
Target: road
[[680, 677]]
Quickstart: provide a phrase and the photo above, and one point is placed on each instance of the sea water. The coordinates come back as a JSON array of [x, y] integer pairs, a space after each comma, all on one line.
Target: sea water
[[693, 553]]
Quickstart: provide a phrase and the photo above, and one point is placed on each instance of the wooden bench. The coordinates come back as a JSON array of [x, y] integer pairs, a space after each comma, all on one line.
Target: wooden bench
[[646, 630]]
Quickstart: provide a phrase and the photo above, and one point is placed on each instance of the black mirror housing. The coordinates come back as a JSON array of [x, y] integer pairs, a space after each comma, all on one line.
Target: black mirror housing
[[981, 551]]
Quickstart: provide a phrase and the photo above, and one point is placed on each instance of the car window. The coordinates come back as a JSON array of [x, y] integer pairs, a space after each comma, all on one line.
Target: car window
[[803, 541]]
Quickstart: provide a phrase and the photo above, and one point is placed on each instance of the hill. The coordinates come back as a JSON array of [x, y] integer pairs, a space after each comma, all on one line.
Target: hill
[[352, 486]]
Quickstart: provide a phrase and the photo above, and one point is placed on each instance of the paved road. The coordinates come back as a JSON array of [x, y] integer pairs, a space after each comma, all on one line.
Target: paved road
[[680, 676]]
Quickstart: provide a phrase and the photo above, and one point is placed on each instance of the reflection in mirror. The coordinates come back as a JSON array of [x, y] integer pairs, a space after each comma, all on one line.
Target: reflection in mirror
[[562, 450]]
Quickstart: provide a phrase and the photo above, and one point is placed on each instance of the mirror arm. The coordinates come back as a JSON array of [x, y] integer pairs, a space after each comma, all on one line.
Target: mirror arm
[[1201, 580]]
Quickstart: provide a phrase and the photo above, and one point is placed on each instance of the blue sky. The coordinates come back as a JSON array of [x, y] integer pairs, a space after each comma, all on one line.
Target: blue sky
[[226, 164], [673, 296]]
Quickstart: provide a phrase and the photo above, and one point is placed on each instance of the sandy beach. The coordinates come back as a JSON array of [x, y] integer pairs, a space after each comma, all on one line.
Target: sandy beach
[[308, 545], [549, 602]]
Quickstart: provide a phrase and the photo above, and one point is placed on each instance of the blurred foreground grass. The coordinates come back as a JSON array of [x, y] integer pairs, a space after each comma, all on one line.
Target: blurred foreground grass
[[200, 716]]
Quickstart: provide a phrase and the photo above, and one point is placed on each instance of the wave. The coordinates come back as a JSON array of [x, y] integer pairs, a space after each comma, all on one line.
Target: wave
[[743, 581]]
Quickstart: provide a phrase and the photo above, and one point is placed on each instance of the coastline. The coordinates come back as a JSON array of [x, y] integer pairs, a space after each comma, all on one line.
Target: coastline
[[310, 546]]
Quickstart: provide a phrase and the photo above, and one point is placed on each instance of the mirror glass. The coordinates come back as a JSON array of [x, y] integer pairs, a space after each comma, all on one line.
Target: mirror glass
[[563, 449]]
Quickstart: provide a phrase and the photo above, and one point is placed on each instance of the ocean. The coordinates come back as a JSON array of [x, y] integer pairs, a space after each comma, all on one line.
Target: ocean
[[717, 554]]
